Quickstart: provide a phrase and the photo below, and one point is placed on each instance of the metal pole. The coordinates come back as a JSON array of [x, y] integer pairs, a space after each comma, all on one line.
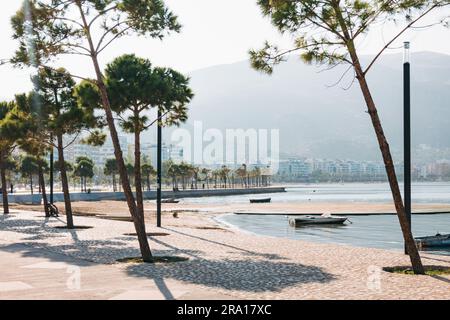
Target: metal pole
[[51, 169], [159, 173], [407, 134]]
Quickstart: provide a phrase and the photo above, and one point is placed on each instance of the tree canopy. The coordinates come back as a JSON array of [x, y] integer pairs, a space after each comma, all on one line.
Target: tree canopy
[[46, 29], [325, 31], [134, 87]]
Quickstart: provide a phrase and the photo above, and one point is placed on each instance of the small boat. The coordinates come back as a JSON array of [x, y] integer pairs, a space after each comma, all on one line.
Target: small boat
[[323, 219], [173, 200], [439, 240], [263, 200]]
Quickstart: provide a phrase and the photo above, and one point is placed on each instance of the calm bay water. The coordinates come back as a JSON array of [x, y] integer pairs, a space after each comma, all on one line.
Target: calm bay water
[[365, 231], [357, 192]]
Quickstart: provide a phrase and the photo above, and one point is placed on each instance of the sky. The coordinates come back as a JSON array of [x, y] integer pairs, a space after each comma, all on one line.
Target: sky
[[214, 32]]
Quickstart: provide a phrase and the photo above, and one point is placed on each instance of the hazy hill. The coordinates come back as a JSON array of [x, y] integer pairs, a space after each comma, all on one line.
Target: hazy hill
[[321, 121]]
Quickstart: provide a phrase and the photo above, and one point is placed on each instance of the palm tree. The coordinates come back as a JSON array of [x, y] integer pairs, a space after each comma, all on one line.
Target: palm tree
[[112, 170], [29, 168], [84, 169], [11, 127], [195, 172], [215, 174], [224, 172], [206, 174], [130, 171], [148, 171], [255, 175], [174, 171], [241, 172]]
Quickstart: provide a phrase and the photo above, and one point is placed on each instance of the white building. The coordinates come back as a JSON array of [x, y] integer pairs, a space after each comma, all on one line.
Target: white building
[[98, 154]]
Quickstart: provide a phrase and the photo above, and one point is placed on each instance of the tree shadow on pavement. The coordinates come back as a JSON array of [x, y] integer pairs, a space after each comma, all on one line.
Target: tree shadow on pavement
[[245, 251], [27, 251], [245, 275], [39, 235], [251, 271]]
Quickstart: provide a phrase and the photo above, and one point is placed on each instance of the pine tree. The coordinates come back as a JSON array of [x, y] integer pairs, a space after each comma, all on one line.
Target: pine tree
[[327, 33], [48, 29]]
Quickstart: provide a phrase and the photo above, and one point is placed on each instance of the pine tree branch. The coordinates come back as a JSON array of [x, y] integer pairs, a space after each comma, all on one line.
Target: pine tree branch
[[112, 39], [101, 14], [105, 34], [397, 36]]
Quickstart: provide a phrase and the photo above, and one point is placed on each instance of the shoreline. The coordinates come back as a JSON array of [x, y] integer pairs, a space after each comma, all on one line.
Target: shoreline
[[217, 219], [340, 213], [148, 195]]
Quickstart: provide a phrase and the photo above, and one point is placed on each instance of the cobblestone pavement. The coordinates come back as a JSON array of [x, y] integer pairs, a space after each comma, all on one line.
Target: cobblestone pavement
[[231, 263]]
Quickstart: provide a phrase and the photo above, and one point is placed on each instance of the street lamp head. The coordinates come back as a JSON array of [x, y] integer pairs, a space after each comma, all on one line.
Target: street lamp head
[[406, 54]]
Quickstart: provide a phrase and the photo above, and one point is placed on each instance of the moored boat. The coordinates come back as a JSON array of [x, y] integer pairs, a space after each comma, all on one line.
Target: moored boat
[[439, 240], [324, 219], [262, 200], [173, 200]]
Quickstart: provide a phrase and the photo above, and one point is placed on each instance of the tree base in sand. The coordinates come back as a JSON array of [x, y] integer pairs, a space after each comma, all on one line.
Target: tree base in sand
[[158, 259], [429, 270]]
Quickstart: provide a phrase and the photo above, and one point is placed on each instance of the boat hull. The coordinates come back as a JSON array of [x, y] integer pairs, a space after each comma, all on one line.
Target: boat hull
[[300, 221], [266, 200], [437, 241], [170, 201]]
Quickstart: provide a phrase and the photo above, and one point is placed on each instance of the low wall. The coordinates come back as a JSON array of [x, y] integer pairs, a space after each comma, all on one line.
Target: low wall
[[148, 195]]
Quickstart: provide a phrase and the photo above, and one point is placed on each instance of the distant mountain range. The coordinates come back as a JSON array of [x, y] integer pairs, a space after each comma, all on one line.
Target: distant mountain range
[[316, 120]]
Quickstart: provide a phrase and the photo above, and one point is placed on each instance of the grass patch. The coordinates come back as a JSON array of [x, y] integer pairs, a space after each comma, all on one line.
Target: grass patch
[[150, 234], [429, 270], [74, 228], [157, 259]]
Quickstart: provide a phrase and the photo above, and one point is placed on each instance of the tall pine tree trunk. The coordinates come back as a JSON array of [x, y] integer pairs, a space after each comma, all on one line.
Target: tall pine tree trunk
[[3, 181], [411, 247], [392, 177], [138, 219], [137, 169], [43, 191], [64, 182]]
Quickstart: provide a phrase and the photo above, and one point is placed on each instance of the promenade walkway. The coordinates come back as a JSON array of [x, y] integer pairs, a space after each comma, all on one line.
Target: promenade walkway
[[38, 260], [33, 273]]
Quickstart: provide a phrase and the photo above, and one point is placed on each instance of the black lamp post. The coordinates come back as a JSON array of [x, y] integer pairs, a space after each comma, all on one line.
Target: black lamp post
[[159, 173], [51, 169], [407, 132]]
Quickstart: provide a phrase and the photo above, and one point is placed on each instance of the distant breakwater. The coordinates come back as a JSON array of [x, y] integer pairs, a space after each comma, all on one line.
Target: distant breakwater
[[148, 195]]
